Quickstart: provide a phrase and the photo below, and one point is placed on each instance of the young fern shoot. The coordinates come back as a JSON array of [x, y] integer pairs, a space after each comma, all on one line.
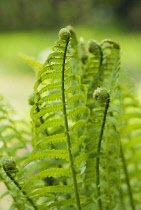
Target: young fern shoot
[[65, 36], [60, 98], [9, 169], [103, 98]]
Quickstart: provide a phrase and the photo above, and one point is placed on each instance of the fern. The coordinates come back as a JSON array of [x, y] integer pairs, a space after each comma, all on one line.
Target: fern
[[59, 104], [14, 141], [14, 132], [31, 62], [83, 151], [130, 135], [97, 130]]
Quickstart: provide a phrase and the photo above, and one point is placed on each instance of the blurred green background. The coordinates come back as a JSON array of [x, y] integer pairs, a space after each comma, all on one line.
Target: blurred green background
[[31, 27]]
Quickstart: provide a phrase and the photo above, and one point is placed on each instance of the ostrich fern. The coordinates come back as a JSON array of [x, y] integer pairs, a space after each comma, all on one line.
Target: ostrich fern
[[83, 150]]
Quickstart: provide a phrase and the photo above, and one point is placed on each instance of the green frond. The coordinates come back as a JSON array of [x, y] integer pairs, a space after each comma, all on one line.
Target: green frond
[[31, 62], [81, 158], [92, 66], [77, 125], [52, 172], [130, 148], [78, 111], [79, 141], [47, 109], [72, 78], [57, 154], [84, 148], [76, 88], [19, 198], [13, 132], [52, 189], [53, 86], [59, 98], [110, 64], [63, 203], [51, 97], [56, 138], [75, 98], [50, 123]]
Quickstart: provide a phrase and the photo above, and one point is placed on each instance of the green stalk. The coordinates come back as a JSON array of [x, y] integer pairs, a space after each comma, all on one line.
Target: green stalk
[[67, 133], [127, 179], [99, 202], [8, 188], [20, 189]]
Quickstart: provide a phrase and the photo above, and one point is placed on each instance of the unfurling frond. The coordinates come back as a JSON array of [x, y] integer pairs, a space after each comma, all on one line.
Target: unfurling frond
[[58, 108], [83, 151]]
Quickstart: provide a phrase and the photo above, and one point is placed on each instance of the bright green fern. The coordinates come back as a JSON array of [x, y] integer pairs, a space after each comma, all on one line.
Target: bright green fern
[[83, 150]]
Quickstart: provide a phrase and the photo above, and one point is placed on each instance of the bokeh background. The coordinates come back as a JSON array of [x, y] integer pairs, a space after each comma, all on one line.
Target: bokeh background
[[31, 27]]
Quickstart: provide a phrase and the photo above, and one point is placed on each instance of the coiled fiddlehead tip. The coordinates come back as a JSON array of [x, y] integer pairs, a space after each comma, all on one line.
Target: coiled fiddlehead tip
[[9, 165], [101, 95], [93, 46], [111, 42], [64, 34]]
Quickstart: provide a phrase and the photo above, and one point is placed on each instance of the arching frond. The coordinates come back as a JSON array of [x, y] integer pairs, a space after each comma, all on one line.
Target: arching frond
[[59, 103]]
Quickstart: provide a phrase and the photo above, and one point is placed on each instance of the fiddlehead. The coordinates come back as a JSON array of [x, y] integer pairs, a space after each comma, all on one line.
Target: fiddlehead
[[103, 98], [9, 169]]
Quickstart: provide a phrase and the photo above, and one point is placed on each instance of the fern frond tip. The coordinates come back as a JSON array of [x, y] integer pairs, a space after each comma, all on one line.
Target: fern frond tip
[[93, 46], [101, 95], [64, 34]]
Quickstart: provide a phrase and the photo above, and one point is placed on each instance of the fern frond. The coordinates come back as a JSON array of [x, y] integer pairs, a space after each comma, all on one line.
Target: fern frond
[[130, 144], [7, 174], [58, 110], [14, 132], [52, 189], [91, 69], [109, 71], [52, 172], [58, 154], [31, 62]]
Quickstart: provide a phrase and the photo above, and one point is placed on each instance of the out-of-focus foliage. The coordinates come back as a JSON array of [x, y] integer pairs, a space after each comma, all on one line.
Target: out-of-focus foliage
[[27, 14]]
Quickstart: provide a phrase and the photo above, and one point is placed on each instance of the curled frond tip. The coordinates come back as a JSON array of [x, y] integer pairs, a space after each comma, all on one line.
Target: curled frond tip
[[64, 34]]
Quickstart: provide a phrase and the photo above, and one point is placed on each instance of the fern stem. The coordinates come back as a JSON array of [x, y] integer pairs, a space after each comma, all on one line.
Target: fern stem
[[20, 188], [8, 188], [98, 187], [127, 179], [67, 132]]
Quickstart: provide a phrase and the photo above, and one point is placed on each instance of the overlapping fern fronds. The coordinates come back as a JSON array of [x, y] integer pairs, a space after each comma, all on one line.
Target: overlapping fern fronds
[[59, 117], [86, 133], [15, 135], [103, 125], [130, 150]]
